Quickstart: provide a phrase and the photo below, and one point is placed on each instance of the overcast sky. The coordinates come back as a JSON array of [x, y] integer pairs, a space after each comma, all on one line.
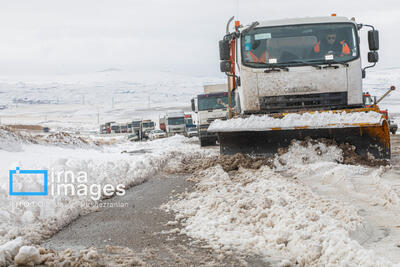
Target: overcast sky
[[54, 36]]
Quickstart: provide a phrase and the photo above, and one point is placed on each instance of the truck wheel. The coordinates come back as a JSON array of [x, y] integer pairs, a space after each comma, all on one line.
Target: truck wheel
[[393, 131], [203, 143]]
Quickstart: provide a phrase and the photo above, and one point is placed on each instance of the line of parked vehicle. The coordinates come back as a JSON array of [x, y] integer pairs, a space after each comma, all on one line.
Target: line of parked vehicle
[[172, 123]]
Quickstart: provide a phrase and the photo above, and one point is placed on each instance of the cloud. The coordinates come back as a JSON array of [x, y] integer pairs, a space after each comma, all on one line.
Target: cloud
[[155, 33]]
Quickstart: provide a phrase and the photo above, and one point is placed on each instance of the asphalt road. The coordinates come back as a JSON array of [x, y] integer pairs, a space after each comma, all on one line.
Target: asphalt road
[[139, 228]]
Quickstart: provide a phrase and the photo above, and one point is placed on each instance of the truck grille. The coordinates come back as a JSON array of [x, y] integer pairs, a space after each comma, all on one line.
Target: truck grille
[[288, 102]]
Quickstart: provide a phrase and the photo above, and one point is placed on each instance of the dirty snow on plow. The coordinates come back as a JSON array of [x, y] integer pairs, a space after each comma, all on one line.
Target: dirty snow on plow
[[290, 121]]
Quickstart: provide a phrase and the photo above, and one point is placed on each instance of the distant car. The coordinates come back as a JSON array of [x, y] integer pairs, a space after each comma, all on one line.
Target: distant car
[[157, 134], [46, 129], [191, 131], [133, 137]]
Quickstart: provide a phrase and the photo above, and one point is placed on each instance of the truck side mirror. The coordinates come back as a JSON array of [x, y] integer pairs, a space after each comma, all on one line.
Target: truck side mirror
[[373, 57], [225, 66], [193, 106], [373, 40], [224, 49]]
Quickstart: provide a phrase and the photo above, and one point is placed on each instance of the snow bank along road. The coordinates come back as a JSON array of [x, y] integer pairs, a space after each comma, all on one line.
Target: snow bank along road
[[308, 208]]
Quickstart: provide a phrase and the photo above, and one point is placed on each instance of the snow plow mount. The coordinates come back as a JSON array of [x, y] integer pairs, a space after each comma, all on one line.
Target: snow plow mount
[[368, 138]]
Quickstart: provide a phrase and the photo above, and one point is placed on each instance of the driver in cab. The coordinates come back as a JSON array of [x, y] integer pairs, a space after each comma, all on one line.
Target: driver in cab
[[331, 45]]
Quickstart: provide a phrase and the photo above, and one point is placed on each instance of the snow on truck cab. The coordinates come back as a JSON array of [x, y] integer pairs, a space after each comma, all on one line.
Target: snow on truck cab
[[283, 67]]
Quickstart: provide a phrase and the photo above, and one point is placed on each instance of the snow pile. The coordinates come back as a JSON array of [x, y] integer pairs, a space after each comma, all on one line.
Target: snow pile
[[9, 250], [38, 217], [12, 139], [311, 120], [27, 255], [262, 212], [306, 152], [318, 165], [301, 210]]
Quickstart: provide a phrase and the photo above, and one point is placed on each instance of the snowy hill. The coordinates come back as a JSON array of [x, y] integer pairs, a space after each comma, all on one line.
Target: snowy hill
[[80, 101]]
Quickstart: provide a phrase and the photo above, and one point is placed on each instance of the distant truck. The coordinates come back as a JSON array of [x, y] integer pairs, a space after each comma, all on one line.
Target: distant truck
[[108, 126], [136, 125], [208, 109], [190, 127], [114, 128], [188, 119], [123, 127], [175, 122], [145, 127]]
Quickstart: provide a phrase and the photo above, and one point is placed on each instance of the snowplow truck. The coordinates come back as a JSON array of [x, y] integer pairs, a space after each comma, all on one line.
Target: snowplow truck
[[307, 66]]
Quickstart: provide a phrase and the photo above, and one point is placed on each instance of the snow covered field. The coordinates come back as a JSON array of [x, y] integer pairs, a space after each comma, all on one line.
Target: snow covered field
[[78, 102]]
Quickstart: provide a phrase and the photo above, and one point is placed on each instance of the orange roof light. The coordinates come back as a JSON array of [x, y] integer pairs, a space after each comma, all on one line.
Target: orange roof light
[[237, 23], [333, 14]]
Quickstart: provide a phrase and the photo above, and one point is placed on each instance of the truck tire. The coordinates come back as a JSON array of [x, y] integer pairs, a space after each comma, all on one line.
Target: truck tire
[[203, 142], [212, 143]]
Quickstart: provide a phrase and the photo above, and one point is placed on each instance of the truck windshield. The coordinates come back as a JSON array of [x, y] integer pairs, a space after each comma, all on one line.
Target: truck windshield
[[148, 124], [176, 121], [208, 102], [299, 44], [136, 123]]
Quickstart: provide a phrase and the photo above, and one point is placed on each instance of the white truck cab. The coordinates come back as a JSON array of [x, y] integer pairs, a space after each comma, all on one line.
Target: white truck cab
[[208, 109], [299, 64], [175, 122]]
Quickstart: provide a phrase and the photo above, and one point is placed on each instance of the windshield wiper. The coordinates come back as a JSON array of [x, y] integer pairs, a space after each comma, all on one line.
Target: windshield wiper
[[316, 63], [307, 63], [272, 68]]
